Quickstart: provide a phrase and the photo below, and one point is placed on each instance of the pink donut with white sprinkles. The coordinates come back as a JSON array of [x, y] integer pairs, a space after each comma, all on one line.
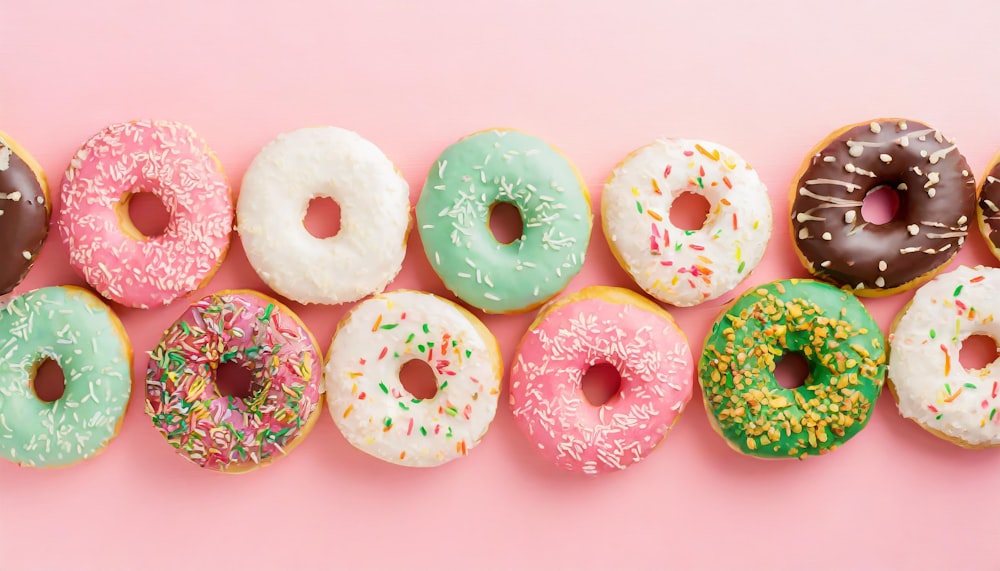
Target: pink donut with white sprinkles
[[594, 326], [173, 163]]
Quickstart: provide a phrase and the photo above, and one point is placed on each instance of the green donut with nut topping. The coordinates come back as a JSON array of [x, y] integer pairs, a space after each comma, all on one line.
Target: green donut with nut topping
[[842, 345]]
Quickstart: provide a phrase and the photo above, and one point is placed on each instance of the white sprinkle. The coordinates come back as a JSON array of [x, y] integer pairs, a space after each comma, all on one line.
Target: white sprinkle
[[882, 265], [901, 186], [489, 295], [931, 192], [880, 281], [26, 254], [825, 264], [932, 179], [849, 167], [441, 166], [849, 216], [803, 233], [5, 153], [875, 127], [855, 150], [827, 236], [962, 220], [923, 153], [904, 141], [885, 158], [830, 159], [901, 125]]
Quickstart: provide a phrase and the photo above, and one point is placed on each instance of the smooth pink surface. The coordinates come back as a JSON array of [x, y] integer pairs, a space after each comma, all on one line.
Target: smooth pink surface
[[597, 80]]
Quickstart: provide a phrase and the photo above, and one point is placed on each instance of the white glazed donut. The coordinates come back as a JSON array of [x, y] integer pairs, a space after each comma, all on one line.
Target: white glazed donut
[[930, 385], [367, 252], [677, 266], [369, 403]]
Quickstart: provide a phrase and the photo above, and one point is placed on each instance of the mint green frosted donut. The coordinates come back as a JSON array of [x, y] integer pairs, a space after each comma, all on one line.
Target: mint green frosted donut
[[467, 181], [80, 333]]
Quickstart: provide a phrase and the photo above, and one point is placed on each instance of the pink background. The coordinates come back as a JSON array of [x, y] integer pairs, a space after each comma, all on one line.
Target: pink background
[[596, 80]]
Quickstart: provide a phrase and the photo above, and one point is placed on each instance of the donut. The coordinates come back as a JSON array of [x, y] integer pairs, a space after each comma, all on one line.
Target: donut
[[365, 254], [937, 197], [835, 334], [930, 385], [173, 163], [466, 182], [369, 403], [228, 433], [76, 330], [24, 212], [988, 206], [600, 325], [677, 266]]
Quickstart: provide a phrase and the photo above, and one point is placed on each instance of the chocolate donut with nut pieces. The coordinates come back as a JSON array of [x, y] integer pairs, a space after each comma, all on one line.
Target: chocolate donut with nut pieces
[[24, 212], [988, 206], [937, 202]]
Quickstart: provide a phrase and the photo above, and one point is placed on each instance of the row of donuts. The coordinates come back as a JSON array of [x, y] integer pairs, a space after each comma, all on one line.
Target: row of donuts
[[376, 413], [676, 266], [460, 219]]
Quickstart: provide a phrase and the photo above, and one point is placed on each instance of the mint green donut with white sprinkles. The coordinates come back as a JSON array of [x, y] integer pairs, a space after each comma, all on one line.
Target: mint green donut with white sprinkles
[[465, 183], [72, 327]]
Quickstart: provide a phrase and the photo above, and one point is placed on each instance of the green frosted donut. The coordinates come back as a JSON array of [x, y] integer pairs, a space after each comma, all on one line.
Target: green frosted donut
[[842, 345], [74, 328], [467, 181]]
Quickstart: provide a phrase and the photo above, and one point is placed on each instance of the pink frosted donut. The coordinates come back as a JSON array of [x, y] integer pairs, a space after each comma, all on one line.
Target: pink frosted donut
[[173, 163], [600, 325], [228, 433]]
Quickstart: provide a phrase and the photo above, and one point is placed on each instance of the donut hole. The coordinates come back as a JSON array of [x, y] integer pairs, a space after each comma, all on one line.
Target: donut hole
[[689, 211], [234, 380], [977, 352], [322, 218], [600, 383], [506, 223], [417, 377], [880, 205], [144, 214], [792, 370], [48, 384]]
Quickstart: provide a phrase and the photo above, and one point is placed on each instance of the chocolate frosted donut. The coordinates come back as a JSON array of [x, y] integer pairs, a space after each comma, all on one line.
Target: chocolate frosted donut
[[988, 208], [937, 196], [24, 212]]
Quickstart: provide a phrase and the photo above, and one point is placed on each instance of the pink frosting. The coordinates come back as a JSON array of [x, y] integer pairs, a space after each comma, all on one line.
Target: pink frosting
[[656, 368], [226, 432], [171, 161]]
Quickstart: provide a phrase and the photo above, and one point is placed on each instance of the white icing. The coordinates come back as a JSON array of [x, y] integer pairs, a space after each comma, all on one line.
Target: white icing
[[367, 252], [674, 272], [933, 387], [365, 396]]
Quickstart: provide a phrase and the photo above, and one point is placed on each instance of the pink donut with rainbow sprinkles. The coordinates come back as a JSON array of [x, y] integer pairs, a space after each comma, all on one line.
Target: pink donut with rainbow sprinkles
[[600, 325], [173, 163]]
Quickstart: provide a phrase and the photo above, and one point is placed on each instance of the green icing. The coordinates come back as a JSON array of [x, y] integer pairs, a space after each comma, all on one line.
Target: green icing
[[842, 345], [453, 220], [80, 333]]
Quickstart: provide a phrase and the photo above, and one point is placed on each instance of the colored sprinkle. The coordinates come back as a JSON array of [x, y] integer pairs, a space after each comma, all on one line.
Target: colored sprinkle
[[638, 206], [993, 413], [656, 186], [443, 385], [389, 326], [382, 386], [933, 334], [725, 179], [410, 337], [666, 171], [958, 290], [977, 279], [426, 328], [267, 312], [743, 265]]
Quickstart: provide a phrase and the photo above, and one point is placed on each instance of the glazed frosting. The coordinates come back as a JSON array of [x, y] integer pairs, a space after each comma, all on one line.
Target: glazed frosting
[[466, 181], [173, 163], [937, 202], [931, 386], [838, 338], [76, 330], [594, 326], [227, 433], [367, 252], [677, 266], [988, 207], [24, 213], [373, 409]]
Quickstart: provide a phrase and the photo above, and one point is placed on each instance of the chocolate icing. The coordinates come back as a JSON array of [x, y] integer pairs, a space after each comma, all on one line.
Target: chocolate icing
[[937, 196], [24, 218], [989, 203]]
